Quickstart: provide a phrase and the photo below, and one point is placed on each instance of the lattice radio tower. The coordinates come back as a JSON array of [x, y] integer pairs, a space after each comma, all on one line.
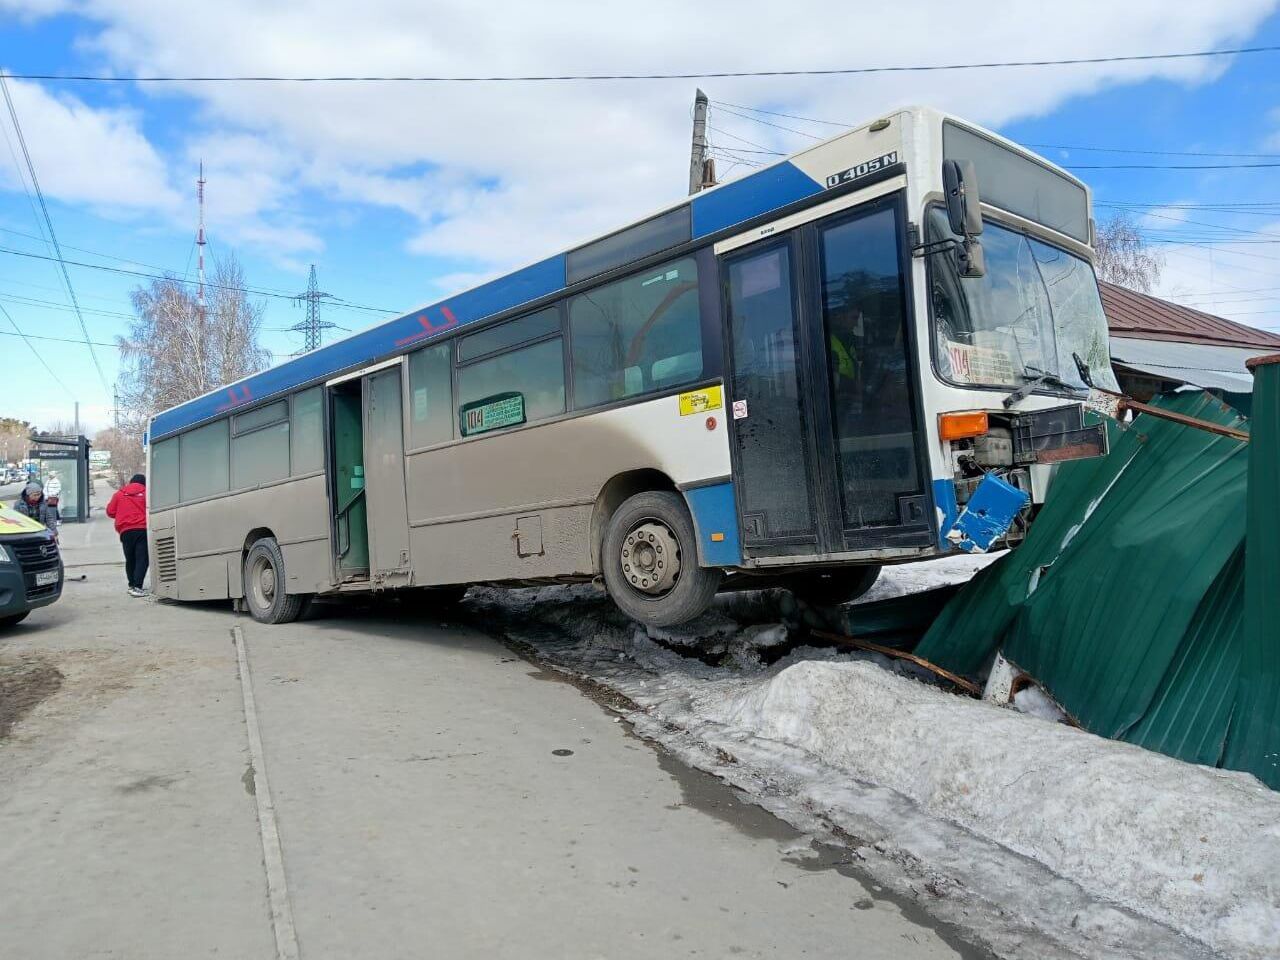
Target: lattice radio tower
[[200, 240], [312, 328]]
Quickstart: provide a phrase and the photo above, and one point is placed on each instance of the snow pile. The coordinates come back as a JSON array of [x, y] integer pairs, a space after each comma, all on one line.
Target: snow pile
[[1193, 847], [1037, 838]]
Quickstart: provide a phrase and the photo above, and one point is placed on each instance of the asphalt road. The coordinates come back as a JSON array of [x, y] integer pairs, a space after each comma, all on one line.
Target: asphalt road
[[434, 796]]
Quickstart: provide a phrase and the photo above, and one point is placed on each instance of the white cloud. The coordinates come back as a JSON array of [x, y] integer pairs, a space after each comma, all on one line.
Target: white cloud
[[1239, 281], [86, 155], [28, 10], [497, 174]]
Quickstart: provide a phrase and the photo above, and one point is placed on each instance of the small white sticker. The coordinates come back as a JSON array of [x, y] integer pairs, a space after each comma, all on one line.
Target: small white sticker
[[739, 409]]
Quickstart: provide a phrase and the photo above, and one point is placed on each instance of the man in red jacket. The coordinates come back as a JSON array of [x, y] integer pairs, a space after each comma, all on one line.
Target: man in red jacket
[[129, 507]]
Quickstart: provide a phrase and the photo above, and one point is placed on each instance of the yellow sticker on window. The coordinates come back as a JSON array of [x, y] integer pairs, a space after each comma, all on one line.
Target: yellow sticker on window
[[700, 401]]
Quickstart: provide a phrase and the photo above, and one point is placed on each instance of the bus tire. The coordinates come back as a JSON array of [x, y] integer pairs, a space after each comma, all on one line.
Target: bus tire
[[13, 620], [830, 588], [643, 535], [264, 581]]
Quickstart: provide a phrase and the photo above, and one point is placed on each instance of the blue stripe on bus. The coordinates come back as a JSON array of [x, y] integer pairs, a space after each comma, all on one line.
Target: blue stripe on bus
[[715, 210], [715, 511], [388, 338], [751, 196]]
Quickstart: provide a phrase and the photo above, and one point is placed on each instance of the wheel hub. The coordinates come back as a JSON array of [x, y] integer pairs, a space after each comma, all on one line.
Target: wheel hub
[[651, 558], [262, 582]]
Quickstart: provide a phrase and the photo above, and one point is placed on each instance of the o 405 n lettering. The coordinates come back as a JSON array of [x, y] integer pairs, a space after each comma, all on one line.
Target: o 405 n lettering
[[864, 169]]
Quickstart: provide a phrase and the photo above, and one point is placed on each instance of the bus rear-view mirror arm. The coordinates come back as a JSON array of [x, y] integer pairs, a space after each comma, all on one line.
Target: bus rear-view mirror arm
[[964, 214]]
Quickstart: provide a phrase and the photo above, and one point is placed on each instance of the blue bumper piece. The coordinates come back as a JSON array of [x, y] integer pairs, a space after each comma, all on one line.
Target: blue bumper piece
[[715, 517], [987, 515]]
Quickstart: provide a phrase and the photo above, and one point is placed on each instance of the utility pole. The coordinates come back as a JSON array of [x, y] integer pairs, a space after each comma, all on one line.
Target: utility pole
[[77, 418], [698, 155], [312, 328]]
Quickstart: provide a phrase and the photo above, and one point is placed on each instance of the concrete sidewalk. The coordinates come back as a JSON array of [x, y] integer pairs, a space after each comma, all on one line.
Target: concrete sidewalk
[[435, 796]]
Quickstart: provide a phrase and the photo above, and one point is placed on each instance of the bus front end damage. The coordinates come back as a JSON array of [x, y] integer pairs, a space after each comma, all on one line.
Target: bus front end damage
[[1000, 462]]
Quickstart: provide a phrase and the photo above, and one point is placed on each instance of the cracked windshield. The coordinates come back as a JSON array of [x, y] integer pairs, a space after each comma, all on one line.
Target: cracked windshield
[[1036, 306]]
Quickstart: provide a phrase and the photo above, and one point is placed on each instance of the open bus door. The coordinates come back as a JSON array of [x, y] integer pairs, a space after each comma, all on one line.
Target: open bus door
[[827, 446], [370, 518]]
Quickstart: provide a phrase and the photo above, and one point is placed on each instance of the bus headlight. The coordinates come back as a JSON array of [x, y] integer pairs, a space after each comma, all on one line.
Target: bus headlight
[[5, 555]]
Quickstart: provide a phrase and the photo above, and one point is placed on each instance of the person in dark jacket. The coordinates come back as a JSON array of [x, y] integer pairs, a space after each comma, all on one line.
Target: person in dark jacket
[[35, 505], [128, 506]]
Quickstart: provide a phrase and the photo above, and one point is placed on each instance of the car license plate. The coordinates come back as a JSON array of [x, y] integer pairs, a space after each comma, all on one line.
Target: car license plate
[[46, 577]]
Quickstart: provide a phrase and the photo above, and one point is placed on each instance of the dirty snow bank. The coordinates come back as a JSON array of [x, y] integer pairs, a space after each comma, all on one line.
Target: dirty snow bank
[[1193, 847], [932, 790]]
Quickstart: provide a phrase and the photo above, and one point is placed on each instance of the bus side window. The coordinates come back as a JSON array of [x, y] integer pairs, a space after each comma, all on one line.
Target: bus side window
[[162, 487], [430, 396], [204, 461], [535, 373], [260, 445], [306, 432], [636, 335]]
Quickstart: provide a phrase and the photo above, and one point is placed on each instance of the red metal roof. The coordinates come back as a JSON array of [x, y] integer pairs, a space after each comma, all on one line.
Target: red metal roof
[[1132, 314]]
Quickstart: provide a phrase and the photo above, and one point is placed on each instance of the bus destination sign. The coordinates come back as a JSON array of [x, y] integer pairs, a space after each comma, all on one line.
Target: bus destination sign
[[500, 410]]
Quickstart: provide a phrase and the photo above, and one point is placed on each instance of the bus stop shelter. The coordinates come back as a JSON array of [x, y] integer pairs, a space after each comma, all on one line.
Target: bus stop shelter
[[61, 464]]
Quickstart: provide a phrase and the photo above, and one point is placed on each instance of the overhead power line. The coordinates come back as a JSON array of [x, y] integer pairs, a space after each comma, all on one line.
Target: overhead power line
[[1171, 166], [733, 108], [36, 336], [690, 75], [48, 222], [1157, 153], [39, 356], [175, 279]]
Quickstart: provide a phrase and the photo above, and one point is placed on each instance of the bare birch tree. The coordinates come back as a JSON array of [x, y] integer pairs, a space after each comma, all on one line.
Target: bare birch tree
[[1124, 257], [172, 353]]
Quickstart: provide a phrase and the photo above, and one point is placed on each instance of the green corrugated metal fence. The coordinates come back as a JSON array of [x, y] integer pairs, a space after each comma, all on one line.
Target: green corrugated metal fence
[[1254, 743], [1125, 602]]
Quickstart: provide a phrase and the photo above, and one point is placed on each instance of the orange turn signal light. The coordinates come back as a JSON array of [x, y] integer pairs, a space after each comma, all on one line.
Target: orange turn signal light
[[957, 426]]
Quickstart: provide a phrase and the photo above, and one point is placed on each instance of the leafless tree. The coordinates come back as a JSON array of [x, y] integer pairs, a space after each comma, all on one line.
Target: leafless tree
[[127, 456], [1124, 256], [55, 428], [172, 353]]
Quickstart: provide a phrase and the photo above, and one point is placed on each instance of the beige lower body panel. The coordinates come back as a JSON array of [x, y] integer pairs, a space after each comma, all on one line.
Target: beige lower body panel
[[206, 540], [491, 548]]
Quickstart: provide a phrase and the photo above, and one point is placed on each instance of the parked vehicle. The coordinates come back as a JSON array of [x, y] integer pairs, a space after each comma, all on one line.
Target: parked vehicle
[[790, 379], [31, 573]]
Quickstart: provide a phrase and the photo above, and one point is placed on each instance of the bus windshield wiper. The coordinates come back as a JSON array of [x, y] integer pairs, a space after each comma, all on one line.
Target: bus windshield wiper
[[1036, 378]]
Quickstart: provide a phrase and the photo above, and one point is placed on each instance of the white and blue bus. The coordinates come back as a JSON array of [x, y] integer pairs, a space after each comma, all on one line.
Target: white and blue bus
[[871, 352]]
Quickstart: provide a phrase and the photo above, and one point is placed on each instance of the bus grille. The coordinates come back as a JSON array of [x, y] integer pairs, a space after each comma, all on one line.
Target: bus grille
[[166, 560]]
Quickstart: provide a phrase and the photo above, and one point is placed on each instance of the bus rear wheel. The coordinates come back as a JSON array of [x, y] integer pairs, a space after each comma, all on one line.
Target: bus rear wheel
[[264, 584], [650, 561]]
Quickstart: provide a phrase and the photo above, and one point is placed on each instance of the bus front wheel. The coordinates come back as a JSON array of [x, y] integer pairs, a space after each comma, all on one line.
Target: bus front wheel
[[264, 584], [650, 561]]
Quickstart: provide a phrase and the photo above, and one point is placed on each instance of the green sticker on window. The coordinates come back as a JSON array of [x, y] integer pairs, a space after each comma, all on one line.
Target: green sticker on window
[[500, 410]]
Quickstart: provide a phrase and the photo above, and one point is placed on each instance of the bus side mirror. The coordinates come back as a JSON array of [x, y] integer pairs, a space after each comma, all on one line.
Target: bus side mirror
[[960, 184], [964, 212]]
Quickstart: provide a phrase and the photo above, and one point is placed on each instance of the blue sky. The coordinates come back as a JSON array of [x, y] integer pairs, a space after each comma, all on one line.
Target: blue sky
[[400, 194]]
